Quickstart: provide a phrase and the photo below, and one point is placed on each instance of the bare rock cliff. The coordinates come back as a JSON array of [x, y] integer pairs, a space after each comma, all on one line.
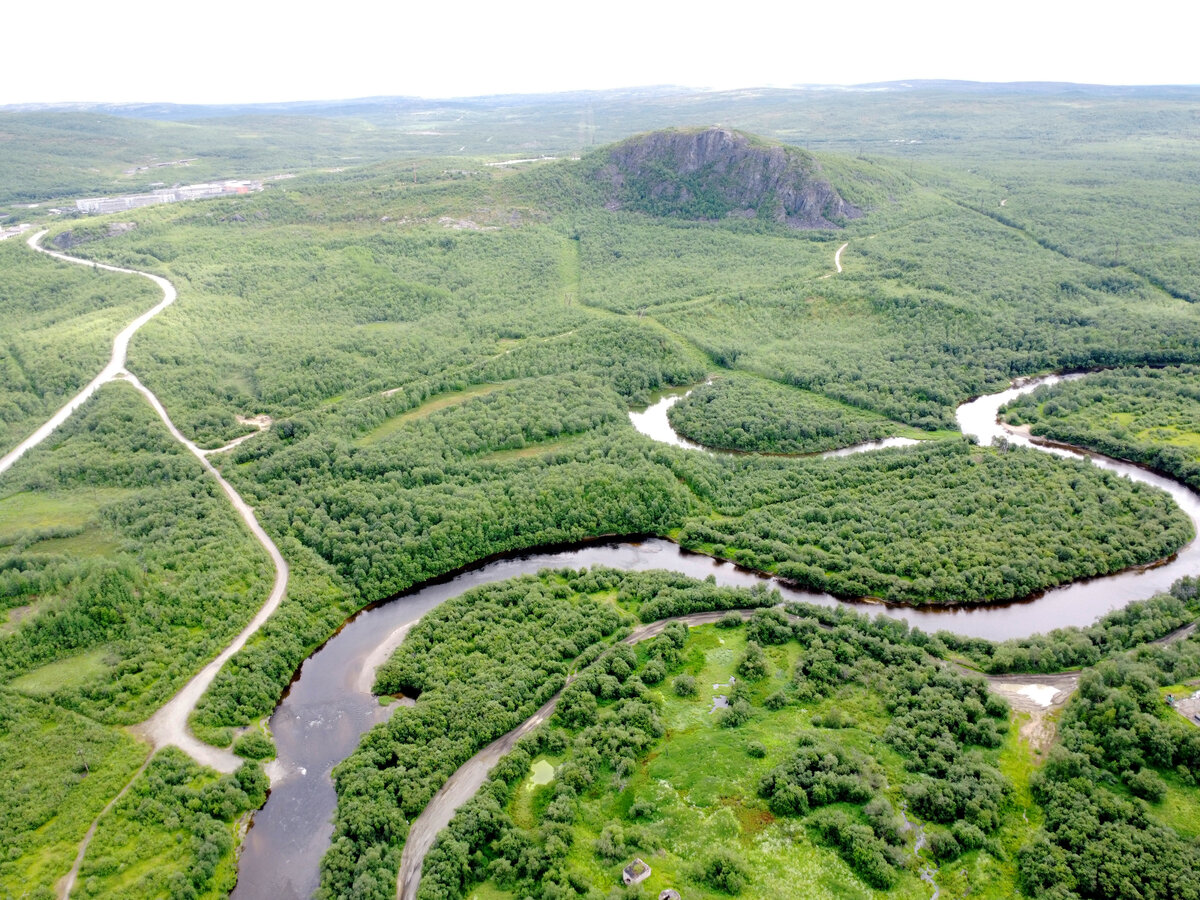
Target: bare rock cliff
[[717, 173]]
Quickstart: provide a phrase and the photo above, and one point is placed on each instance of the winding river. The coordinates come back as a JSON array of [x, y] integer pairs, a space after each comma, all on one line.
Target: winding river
[[329, 706], [321, 718]]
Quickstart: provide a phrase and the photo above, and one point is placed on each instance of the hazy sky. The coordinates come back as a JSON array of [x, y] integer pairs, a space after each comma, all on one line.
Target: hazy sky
[[262, 50]]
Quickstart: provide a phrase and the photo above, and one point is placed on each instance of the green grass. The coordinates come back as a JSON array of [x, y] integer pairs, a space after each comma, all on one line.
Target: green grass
[[703, 787], [978, 873], [60, 770], [568, 266], [28, 511], [700, 783], [490, 892], [165, 834], [1180, 808], [93, 542], [544, 448], [72, 672]]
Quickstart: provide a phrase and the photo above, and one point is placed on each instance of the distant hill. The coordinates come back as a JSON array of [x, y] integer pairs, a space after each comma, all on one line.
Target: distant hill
[[384, 108], [54, 152], [717, 173]]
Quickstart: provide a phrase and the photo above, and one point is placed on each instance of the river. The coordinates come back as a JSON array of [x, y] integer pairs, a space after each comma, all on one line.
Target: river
[[329, 706]]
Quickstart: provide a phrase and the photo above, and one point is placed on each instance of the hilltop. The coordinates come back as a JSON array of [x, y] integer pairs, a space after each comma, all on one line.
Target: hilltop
[[716, 173]]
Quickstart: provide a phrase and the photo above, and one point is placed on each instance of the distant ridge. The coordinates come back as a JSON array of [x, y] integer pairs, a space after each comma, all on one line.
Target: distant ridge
[[1026, 87], [365, 106]]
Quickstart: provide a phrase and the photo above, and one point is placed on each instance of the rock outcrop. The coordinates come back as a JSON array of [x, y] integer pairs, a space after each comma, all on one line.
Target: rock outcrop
[[717, 173]]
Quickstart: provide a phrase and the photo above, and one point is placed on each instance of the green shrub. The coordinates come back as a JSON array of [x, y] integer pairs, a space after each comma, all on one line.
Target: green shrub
[[1147, 785], [254, 745], [685, 686], [723, 871]]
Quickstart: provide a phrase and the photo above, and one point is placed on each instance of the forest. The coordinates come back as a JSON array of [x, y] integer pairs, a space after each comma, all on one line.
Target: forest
[[1142, 414], [757, 415], [447, 353]]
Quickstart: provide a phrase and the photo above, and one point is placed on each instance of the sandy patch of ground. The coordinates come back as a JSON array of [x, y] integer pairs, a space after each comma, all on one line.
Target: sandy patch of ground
[[1040, 696], [380, 655], [1023, 430], [262, 423], [1189, 708]]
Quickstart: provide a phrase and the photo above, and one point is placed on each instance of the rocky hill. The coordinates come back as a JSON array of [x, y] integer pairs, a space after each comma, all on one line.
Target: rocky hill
[[716, 173]]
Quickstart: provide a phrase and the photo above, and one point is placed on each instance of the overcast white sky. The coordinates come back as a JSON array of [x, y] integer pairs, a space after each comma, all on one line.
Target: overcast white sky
[[219, 51]]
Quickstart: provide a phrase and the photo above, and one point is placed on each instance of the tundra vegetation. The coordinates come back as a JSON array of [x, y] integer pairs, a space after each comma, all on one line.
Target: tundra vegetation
[[850, 756], [1150, 416], [448, 352]]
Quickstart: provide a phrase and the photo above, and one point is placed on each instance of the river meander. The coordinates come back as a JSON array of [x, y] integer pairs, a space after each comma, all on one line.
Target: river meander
[[329, 706]]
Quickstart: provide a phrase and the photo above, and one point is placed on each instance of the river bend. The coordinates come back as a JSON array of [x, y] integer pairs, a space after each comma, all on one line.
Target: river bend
[[323, 715]]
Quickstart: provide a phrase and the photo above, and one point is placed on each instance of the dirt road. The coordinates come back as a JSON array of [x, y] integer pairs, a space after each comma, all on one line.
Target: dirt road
[[463, 784], [116, 362], [168, 726]]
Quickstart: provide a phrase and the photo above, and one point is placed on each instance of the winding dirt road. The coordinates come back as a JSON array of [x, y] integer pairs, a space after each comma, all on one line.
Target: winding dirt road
[[116, 363], [168, 726]]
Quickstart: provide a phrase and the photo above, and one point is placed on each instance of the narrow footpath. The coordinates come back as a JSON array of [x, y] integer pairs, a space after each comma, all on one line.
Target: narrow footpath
[[837, 257]]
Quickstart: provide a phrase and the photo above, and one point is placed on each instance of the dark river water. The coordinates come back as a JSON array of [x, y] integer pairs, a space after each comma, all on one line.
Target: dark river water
[[329, 706]]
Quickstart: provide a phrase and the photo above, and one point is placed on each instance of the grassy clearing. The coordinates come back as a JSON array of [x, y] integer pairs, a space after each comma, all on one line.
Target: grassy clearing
[[93, 542], [698, 793], [173, 833], [490, 892], [535, 450], [18, 614], [24, 512], [60, 770], [978, 873], [568, 267], [1180, 808], [701, 784], [71, 673]]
